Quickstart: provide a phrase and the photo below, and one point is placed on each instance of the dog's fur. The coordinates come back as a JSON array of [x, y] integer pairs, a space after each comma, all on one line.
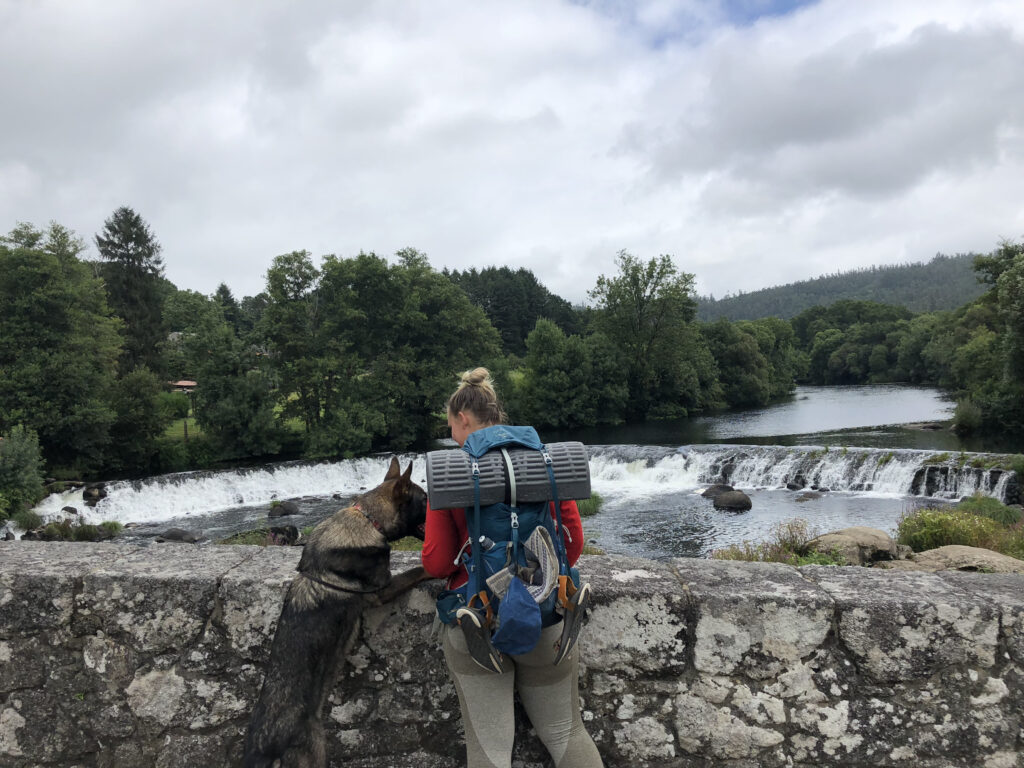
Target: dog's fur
[[344, 567]]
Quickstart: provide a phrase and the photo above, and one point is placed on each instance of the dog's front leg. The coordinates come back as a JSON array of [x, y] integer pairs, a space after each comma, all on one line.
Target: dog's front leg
[[400, 584]]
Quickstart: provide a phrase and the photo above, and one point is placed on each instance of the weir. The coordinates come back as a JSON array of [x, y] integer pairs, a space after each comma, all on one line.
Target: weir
[[893, 472], [900, 472], [116, 656]]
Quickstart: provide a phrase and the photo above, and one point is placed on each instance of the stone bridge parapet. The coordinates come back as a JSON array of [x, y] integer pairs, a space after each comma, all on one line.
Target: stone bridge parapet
[[117, 656]]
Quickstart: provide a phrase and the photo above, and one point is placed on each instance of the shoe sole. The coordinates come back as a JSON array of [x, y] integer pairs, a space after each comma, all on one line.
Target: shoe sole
[[478, 641], [572, 622]]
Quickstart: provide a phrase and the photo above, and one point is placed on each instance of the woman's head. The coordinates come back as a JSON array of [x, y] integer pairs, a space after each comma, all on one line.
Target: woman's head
[[473, 405]]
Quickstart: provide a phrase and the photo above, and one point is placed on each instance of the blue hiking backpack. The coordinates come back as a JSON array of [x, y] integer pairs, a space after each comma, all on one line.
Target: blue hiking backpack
[[505, 478]]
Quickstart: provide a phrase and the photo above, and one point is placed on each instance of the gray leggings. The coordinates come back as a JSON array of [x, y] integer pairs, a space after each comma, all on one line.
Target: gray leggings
[[549, 694]]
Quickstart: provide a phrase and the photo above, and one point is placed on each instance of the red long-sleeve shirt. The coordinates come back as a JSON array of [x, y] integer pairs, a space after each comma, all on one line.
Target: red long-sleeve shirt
[[446, 532]]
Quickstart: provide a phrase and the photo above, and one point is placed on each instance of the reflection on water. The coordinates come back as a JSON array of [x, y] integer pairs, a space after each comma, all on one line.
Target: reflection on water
[[824, 409], [868, 416]]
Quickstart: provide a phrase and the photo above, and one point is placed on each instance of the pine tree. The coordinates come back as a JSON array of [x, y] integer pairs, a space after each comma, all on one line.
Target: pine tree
[[133, 272]]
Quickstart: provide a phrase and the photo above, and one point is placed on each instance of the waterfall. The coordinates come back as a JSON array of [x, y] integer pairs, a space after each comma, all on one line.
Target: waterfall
[[186, 494], [859, 470], [631, 471]]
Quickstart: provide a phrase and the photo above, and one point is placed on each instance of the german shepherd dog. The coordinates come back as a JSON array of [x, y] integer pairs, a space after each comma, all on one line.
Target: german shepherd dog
[[344, 568]]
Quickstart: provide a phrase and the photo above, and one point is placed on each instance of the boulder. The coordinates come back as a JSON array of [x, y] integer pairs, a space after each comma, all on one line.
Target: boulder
[[283, 509], [859, 545], [179, 534], [69, 510], [94, 493], [808, 496], [735, 501], [716, 490], [959, 558]]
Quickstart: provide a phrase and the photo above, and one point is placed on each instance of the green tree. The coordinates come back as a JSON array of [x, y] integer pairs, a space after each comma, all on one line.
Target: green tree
[[1010, 298], [513, 301], [414, 331], [776, 341], [184, 312], [742, 368], [21, 468], [133, 270], [140, 420], [547, 393], [366, 351], [58, 346], [234, 396], [228, 305], [292, 326], [645, 310], [607, 379]]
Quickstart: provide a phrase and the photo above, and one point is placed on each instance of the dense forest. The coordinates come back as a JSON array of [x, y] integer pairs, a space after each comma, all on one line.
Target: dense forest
[[341, 356], [944, 283]]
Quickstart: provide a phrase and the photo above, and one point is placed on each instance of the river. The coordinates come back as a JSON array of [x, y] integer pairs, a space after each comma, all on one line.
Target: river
[[852, 440]]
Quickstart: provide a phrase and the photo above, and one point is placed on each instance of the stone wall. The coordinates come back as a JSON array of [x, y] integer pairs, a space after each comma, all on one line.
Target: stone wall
[[116, 656]]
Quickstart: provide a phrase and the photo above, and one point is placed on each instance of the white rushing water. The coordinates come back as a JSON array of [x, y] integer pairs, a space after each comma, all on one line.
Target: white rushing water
[[629, 472], [189, 494]]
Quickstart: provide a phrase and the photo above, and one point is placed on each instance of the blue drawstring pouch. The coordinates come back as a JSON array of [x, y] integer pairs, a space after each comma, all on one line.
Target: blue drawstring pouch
[[518, 621]]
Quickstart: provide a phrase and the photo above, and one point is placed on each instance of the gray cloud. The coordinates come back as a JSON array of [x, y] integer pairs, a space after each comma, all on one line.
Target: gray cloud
[[547, 135]]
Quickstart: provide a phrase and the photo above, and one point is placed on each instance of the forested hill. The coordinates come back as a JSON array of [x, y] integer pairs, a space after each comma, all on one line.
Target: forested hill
[[945, 282]]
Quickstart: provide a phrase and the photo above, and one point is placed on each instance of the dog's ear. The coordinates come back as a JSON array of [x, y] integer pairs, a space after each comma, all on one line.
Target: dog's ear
[[394, 470], [403, 482]]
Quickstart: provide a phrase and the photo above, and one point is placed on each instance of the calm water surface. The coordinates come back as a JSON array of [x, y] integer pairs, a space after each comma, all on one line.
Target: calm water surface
[[870, 416]]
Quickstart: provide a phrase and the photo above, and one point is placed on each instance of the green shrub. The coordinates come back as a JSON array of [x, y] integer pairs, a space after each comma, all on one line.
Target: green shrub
[[788, 543], [408, 544], [885, 458], [261, 537], [1016, 464], [21, 470], [112, 527], [591, 506], [85, 532], [27, 520], [58, 531], [4, 507], [930, 528], [991, 508], [967, 417]]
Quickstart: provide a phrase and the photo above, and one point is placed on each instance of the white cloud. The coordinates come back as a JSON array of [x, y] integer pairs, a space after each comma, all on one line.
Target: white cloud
[[546, 135]]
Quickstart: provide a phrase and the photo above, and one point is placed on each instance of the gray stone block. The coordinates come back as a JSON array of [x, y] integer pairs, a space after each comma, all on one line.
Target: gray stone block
[[910, 627]]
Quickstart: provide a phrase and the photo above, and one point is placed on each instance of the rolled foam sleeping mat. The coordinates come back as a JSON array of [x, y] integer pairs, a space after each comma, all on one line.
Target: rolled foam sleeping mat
[[450, 475]]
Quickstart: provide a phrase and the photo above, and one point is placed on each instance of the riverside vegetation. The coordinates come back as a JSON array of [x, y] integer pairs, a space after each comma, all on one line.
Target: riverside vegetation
[[355, 354], [978, 521]]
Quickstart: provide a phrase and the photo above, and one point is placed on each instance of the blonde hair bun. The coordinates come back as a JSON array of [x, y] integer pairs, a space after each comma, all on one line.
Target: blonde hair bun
[[476, 395], [478, 377]]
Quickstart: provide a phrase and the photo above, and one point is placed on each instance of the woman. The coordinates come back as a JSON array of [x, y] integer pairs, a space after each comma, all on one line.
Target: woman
[[549, 692]]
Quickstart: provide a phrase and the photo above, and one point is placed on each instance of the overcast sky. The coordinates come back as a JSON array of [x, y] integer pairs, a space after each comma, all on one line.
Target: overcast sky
[[758, 142]]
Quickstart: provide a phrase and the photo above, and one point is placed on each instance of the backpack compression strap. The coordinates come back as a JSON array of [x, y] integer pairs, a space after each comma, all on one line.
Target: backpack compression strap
[[566, 588], [476, 566]]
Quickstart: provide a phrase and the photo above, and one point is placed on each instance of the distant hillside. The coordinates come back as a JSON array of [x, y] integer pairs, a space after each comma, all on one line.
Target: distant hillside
[[945, 282]]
